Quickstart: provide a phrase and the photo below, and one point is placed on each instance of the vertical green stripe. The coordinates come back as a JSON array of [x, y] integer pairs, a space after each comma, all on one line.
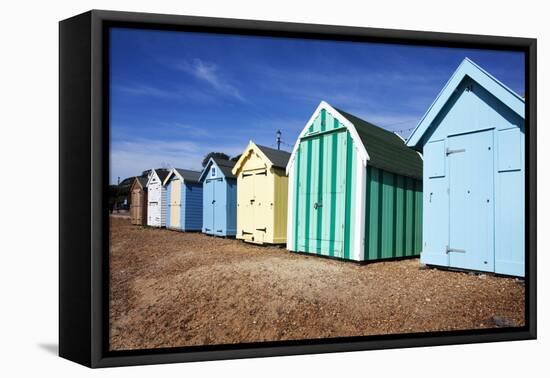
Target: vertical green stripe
[[413, 216], [395, 205], [323, 119], [319, 198], [348, 196], [297, 196], [374, 216], [307, 205], [409, 217], [400, 219], [404, 217], [388, 220], [334, 196], [368, 211]]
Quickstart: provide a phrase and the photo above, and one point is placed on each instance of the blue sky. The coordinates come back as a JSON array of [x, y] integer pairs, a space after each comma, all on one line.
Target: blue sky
[[176, 96]]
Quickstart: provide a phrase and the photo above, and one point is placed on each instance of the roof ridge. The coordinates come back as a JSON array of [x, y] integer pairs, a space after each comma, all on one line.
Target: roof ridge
[[270, 148], [389, 133]]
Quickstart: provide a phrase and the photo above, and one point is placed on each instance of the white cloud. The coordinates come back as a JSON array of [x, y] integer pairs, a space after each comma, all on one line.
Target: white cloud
[[210, 73]]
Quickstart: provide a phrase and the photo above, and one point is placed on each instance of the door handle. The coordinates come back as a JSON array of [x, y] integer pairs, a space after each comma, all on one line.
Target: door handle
[[317, 205]]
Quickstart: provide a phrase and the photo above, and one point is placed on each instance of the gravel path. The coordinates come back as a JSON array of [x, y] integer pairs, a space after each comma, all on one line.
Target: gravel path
[[174, 289]]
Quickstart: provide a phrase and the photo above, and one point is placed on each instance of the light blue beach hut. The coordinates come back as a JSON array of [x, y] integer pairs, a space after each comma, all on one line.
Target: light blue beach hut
[[473, 141], [219, 188], [184, 200]]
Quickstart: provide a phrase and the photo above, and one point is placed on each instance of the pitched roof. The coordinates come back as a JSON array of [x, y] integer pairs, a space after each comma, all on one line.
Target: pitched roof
[[375, 146], [162, 173], [466, 69], [386, 150], [186, 174], [189, 175], [127, 181], [223, 164], [278, 158], [141, 180]]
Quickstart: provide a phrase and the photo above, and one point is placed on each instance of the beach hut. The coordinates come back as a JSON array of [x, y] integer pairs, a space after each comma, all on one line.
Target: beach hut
[[219, 201], [355, 190], [156, 198], [472, 139], [262, 189], [138, 201], [184, 200]]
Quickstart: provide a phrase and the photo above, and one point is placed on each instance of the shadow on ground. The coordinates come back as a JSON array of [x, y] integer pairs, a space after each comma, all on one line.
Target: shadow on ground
[[51, 348]]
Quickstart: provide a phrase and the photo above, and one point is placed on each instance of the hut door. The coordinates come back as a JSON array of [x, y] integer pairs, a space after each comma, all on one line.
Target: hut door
[[175, 204], [135, 204], [218, 206], [471, 227], [262, 205], [209, 205], [246, 194], [321, 224], [154, 209]]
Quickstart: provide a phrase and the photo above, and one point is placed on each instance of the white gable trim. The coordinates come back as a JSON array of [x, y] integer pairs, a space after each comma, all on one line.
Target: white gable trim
[[151, 175], [172, 172], [207, 168], [467, 68], [361, 150], [250, 147]]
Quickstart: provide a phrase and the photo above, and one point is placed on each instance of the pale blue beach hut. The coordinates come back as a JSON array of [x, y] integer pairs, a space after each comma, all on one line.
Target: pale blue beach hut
[[219, 187], [473, 142]]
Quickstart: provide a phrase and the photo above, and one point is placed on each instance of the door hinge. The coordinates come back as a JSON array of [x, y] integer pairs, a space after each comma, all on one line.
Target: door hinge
[[449, 151], [262, 229], [449, 250]]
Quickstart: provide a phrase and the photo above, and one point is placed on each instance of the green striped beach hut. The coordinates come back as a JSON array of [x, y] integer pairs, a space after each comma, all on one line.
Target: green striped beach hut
[[354, 190]]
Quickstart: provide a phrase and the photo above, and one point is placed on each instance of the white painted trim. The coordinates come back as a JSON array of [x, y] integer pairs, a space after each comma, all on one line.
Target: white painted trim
[[254, 147], [360, 198], [158, 193], [400, 137], [151, 175], [290, 213], [362, 151], [172, 171], [483, 78]]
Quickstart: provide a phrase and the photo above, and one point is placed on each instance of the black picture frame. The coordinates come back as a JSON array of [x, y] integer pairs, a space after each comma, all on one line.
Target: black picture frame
[[83, 182]]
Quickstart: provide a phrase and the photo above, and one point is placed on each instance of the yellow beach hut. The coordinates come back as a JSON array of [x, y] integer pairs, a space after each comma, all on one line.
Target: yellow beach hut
[[262, 192]]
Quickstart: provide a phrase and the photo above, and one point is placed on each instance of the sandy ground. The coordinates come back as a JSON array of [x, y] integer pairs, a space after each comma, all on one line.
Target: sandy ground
[[172, 289]]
